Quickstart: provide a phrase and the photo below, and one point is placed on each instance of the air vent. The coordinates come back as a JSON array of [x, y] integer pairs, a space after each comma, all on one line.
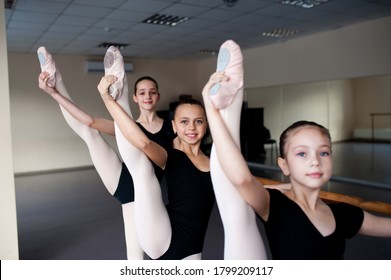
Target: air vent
[[165, 20], [280, 32], [306, 4], [106, 45], [9, 4]]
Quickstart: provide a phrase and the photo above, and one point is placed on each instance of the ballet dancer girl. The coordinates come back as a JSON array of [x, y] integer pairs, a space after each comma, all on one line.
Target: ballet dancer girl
[[299, 225], [175, 231], [113, 172]]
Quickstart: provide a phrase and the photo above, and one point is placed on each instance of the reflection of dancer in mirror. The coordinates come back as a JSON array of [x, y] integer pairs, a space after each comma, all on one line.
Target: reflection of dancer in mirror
[[112, 171], [299, 225], [175, 231]]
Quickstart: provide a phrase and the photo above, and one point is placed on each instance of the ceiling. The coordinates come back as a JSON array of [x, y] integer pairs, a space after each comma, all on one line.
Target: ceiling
[[79, 26]]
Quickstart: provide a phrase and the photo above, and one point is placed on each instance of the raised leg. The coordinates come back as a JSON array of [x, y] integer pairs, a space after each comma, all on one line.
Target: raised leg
[[104, 157], [152, 221], [242, 237]]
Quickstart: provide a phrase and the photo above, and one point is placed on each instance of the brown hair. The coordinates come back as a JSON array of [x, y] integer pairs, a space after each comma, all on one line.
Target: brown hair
[[143, 78], [286, 133], [189, 101]]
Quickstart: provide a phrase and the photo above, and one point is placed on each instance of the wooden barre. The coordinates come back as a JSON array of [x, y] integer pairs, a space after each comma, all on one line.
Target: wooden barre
[[370, 206]]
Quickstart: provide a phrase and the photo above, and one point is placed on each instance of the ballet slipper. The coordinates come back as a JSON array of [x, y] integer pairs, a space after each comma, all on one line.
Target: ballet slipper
[[229, 61], [114, 65], [47, 65]]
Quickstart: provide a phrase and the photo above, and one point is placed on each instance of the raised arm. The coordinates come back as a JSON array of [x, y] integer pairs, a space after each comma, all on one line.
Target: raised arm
[[229, 155], [102, 125], [128, 126]]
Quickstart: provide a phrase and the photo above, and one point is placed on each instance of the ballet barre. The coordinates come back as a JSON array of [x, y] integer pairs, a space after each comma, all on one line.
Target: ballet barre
[[332, 197]]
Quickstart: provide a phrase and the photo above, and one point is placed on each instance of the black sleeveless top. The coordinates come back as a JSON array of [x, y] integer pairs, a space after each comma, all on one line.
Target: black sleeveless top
[[164, 137], [191, 199], [292, 235]]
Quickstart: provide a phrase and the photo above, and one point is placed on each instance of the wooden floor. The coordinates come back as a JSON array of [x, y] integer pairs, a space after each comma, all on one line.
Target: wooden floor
[[71, 216]]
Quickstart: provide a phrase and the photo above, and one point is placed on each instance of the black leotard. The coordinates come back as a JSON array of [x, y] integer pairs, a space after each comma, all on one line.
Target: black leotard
[[191, 199], [125, 189], [291, 234], [163, 137]]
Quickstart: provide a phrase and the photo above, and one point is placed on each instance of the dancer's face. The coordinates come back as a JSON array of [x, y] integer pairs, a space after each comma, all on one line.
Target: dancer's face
[[190, 123], [308, 159], [147, 95]]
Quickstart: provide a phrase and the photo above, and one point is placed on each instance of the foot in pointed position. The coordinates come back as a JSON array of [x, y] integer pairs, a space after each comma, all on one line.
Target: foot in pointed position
[[229, 61], [114, 65], [47, 65]]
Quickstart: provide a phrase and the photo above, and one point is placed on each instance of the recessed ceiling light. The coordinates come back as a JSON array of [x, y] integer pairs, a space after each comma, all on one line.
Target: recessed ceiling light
[[307, 4], [108, 44], [165, 20], [280, 32]]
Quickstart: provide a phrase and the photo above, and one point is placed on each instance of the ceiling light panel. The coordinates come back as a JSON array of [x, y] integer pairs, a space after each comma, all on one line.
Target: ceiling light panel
[[280, 32], [165, 20], [307, 4], [108, 44]]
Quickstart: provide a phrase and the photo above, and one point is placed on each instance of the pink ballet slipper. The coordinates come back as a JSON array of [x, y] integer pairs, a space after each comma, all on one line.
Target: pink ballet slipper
[[47, 65], [114, 65], [229, 61]]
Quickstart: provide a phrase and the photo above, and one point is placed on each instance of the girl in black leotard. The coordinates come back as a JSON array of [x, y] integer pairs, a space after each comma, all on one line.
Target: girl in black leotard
[[178, 230], [190, 191], [299, 225], [113, 172]]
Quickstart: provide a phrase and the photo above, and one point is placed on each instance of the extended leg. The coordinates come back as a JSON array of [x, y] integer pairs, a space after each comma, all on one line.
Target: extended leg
[[104, 158], [152, 221], [242, 237]]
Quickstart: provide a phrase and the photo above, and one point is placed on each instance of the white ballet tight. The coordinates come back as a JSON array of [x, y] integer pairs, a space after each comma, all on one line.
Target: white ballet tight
[[108, 165], [151, 217], [241, 233]]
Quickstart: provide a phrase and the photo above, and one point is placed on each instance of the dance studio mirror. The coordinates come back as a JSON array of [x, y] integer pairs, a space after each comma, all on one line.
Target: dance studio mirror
[[361, 141]]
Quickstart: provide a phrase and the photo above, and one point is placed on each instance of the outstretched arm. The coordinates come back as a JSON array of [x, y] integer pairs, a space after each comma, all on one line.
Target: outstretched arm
[[376, 226], [229, 155], [100, 124], [128, 127]]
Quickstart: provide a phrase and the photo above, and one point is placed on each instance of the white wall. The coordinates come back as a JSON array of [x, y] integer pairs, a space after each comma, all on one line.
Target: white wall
[[8, 225], [41, 137], [358, 50]]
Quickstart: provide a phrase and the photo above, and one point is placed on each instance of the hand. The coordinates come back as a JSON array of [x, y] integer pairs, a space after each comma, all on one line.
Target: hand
[[104, 85], [217, 77], [43, 83]]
